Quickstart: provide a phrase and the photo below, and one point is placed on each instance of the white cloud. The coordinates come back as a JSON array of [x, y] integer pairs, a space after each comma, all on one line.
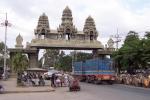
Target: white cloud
[[108, 14]]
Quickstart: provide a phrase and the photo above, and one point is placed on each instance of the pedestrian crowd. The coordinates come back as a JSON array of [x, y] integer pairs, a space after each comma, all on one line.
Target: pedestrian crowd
[[38, 79], [60, 80], [140, 79], [32, 79]]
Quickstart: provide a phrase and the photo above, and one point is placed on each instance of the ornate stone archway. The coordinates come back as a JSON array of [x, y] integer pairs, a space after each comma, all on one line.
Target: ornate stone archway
[[55, 38]]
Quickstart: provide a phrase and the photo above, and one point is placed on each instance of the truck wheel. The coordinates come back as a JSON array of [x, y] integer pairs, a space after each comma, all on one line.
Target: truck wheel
[[111, 82], [97, 82]]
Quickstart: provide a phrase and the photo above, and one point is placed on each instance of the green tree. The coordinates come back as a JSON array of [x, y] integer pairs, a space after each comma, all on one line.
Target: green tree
[[147, 35], [134, 53], [65, 63], [51, 57], [117, 58], [20, 63], [128, 56], [62, 54], [2, 46], [146, 50], [81, 56]]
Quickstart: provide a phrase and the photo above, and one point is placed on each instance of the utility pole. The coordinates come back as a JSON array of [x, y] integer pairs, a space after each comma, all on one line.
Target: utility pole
[[5, 24], [117, 39]]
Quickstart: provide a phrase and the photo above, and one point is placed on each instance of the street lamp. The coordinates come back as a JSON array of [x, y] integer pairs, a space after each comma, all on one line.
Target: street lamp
[[6, 24]]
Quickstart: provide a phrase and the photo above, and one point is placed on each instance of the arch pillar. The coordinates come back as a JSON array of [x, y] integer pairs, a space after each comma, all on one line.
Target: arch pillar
[[95, 53], [33, 59]]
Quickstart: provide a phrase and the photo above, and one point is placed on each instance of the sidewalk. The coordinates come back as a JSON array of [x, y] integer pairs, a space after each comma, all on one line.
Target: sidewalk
[[11, 87]]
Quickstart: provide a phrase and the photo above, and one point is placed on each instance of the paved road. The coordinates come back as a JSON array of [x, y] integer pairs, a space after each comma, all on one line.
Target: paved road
[[88, 92], [117, 92]]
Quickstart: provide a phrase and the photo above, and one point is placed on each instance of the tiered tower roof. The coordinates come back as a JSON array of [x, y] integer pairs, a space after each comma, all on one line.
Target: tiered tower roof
[[43, 21], [67, 17], [89, 24], [67, 11], [43, 25], [67, 22]]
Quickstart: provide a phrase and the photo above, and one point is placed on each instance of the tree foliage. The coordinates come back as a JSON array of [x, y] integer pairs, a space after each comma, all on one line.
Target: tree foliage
[[20, 63], [2, 46], [134, 53], [81, 56], [65, 63], [50, 57], [58, 59]]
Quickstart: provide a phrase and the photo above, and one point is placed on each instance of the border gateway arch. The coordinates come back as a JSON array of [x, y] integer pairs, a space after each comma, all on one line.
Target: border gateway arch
[[66, 36]]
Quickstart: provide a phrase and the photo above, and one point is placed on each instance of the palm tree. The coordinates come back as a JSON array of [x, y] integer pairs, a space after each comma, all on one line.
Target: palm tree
[[20, 63]]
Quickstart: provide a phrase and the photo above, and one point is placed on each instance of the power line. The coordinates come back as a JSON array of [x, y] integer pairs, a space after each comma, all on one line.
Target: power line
[[117, 39]]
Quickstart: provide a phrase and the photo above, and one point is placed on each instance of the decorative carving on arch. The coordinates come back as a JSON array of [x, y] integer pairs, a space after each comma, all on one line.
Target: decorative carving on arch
[[68, 30], [91, 35], [43, 31], [68, 33]]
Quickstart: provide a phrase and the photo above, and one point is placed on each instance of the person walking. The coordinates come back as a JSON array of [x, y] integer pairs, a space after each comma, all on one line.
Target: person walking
[[66, 80], [53, 80]]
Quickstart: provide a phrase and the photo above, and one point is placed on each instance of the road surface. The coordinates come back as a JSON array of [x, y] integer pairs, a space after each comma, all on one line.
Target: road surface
[[88, 92]]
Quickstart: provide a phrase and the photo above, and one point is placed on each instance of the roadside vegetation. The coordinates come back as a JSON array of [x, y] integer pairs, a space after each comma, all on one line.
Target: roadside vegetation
[[62, 61], [20, 64], [134, 53]]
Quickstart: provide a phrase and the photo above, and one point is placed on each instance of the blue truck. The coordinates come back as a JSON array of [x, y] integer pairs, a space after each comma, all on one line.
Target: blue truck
[[95, 70]]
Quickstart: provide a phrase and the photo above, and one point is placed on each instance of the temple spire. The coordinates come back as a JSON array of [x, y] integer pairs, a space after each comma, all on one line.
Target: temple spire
[[19, 41], [67, 16], [90, 28], [43, 25], [66, 25]]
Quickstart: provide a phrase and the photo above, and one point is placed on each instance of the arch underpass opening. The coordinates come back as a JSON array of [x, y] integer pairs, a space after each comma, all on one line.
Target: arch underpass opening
[[51, 58]]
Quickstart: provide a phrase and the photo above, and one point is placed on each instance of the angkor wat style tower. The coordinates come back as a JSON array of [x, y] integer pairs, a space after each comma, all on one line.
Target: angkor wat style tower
[[42, 27], [90, 29], [66, 30]]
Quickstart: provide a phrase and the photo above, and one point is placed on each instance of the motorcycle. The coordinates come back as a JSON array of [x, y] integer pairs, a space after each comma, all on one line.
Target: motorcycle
[[74, 85]]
